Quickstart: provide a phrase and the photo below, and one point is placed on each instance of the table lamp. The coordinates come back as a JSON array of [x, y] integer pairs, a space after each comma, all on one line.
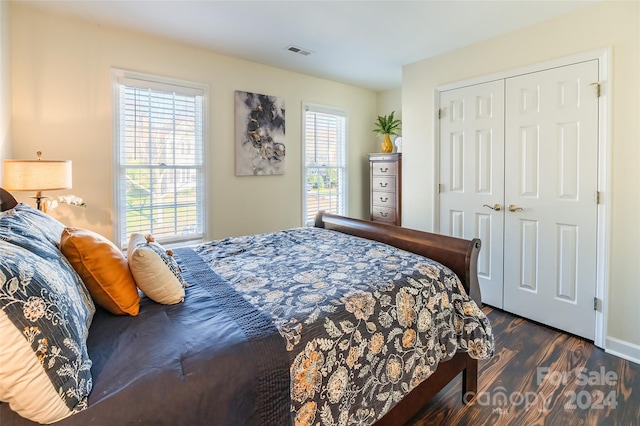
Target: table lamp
[[37, 175]]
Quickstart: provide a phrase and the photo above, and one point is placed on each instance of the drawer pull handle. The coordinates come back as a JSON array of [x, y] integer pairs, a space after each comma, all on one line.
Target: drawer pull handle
[[384, 184], [384, 214], [384, 200], [385, 170]]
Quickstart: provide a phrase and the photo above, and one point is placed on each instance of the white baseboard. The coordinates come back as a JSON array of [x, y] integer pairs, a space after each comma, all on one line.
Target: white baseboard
[[622, 349]]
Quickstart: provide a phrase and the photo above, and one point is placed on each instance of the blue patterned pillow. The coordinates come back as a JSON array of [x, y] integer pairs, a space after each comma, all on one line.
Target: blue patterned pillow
[[45, 313], [39, 233], [31, 229]]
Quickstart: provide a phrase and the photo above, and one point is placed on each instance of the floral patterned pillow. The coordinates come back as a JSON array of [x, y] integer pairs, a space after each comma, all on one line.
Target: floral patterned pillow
[[23, 225], [34, 231], [45, 313]]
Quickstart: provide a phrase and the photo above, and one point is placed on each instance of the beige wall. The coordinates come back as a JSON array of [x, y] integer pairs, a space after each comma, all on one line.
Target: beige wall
[[62, 106], [5, 86], [389, 100], [609, 24]]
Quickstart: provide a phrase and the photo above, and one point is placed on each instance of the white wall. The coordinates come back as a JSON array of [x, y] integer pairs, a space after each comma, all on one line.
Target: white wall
[[5, 87], [62, 106], [614, 24]]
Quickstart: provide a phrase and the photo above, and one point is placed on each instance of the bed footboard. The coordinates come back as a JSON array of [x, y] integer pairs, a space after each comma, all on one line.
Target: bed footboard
[[414, 402], [460, 255]]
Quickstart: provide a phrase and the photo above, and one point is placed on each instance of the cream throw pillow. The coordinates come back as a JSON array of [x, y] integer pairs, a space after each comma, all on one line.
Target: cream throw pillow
[[155, 271]]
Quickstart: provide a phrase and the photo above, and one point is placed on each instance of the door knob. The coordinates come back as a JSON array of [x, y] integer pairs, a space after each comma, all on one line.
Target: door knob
[[514, 208], [496, 207]]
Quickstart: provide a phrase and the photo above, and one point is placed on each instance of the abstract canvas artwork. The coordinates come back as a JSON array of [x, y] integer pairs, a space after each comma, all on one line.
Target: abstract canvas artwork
[[260, 148]]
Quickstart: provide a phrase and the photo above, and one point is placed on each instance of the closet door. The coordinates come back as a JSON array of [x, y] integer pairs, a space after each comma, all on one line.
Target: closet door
[[472, 176], [551, 151]]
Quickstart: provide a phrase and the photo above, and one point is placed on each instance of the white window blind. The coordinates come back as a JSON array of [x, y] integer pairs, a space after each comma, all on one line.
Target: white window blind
[[325, 174], [160, 154]]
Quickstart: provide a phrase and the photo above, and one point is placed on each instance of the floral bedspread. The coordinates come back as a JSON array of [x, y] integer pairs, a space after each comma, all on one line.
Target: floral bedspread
[[364, 323]]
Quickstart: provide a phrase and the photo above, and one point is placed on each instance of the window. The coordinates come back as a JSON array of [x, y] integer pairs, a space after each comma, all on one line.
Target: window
[[159, 144], [325, 174]]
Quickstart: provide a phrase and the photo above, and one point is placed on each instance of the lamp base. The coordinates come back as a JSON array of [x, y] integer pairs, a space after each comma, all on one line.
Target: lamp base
[[39, 204]]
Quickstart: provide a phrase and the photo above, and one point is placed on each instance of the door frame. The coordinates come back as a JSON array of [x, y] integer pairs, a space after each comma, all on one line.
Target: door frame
[[603, 226]]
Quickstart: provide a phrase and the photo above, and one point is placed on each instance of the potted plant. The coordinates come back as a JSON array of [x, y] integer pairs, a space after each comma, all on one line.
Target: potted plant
[[387, 125]]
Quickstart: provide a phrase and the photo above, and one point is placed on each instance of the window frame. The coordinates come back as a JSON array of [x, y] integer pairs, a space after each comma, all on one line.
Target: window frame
[[344, 196], [122, 76]]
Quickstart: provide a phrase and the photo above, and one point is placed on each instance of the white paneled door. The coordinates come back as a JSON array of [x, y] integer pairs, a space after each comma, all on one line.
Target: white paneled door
[[551, 168], [547, 176], [472, 176]]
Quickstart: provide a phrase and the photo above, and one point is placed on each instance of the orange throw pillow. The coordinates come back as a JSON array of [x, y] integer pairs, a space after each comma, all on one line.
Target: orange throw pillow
[[103, 269]]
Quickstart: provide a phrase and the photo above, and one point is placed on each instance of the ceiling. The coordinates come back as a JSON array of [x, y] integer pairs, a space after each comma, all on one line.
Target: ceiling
[[363, 43]]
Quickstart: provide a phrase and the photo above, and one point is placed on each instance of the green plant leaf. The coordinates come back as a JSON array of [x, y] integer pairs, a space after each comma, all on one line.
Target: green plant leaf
[[387, 124]]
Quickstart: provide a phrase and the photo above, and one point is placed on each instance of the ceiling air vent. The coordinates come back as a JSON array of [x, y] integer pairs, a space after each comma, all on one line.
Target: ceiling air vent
[[299, 50]]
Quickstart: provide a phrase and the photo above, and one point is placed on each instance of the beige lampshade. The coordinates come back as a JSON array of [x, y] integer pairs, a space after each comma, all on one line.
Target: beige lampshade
[[37, 175]]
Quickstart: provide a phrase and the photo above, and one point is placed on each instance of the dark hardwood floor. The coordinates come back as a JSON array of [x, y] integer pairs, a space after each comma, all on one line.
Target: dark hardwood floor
[[540, 376]]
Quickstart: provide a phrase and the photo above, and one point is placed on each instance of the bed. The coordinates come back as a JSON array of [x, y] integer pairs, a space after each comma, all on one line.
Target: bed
[[280, 328]]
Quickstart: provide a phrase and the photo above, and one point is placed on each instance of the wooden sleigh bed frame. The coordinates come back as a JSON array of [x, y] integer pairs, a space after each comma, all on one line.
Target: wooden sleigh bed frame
[[458, 254]]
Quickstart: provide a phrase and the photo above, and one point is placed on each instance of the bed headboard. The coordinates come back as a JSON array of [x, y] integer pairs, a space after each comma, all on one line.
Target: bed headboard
[[7, 201], [460, 255]]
